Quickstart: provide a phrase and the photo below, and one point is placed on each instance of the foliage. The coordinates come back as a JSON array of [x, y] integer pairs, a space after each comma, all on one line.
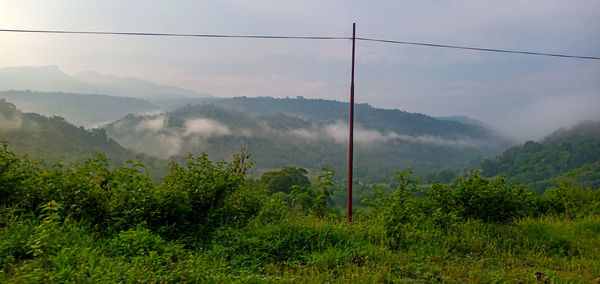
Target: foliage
[[476, 197], [570, 200], [208, 222], [283, 180], [537, 164], [315, 198], [306, 133]]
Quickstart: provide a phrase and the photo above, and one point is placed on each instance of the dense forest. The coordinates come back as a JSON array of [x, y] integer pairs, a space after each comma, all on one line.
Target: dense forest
[[53, 139], [574, 152], [310, 134]]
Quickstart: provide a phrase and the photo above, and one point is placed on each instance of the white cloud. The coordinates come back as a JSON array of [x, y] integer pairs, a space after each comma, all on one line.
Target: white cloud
[[205, 127], [153, 124], [10, 122]]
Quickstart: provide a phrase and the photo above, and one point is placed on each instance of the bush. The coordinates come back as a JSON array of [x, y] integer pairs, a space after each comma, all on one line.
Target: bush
[[490, 200], [202, 195], [285, 179], [135, 242], [569, 200], [314, 199]]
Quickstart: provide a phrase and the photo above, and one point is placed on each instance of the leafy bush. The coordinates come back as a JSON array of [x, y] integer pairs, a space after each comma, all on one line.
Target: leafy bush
[[136, 241], [14, 238], [490, 200], [315, 197], [201, 195], [285, 179], [569, 200]]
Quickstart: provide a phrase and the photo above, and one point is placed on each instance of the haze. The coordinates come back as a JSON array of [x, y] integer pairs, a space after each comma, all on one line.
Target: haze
[[524, 96]]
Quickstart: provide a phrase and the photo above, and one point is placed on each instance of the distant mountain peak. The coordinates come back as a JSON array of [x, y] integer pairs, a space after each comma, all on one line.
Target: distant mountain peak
[[50, 78]]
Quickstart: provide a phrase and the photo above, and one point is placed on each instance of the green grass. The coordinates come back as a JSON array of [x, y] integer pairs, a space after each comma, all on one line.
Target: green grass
[[305, 249]]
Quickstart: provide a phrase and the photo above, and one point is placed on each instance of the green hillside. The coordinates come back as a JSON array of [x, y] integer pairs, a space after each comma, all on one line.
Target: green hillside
[[320, 110], [54, 139], [574, 152], [310, 134]]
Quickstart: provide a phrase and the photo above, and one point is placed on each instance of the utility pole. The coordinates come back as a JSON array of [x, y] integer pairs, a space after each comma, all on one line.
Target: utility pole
[[351, 140]]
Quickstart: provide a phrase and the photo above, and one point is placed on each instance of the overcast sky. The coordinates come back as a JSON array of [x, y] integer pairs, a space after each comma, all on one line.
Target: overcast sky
[[524, 96]]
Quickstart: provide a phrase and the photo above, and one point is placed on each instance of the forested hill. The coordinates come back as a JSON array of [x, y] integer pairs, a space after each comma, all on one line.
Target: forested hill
[[86, 110], [536, 164], [308, 133], [52, 138], [324, 111]]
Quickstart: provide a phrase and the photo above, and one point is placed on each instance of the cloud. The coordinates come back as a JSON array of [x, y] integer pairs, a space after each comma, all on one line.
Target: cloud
[[205, 127], [535, 120], [338, 131], [305, 134], [438, 141], [162, 145], [152, 124], [10, 120]]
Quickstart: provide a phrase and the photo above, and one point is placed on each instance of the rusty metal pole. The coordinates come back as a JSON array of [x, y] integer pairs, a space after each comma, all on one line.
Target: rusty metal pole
[[351, 140]]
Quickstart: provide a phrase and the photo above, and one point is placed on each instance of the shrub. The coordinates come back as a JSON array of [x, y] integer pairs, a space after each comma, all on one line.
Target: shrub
[[285, 179], [314, 198], [200, 195], [490, 200], [570, 200], [136, 241]]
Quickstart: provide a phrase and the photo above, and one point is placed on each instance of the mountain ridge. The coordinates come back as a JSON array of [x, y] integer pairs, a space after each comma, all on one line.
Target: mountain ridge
[[569, 154], [51, 79], [307, 133]]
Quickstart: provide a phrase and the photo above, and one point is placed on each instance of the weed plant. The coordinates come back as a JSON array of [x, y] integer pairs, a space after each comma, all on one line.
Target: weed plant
[[210, 222]]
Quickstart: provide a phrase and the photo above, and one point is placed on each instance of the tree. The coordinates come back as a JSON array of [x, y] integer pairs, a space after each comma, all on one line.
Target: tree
[[283, 180]]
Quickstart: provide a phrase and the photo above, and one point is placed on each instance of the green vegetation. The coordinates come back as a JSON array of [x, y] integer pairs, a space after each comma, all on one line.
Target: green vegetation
[[53, 139], [285, 179], [567, 153], [310, 134], [209, 221]]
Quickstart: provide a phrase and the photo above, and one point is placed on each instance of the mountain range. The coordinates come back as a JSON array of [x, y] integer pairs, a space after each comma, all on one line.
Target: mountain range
[[51, 79], [308, 133], [166, 123]]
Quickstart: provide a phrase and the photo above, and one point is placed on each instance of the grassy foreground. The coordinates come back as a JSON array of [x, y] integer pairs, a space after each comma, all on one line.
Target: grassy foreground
[[306, 250], [208, 222]]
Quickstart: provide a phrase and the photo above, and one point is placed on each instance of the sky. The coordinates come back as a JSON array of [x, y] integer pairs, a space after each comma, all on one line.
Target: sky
[[525, 97]]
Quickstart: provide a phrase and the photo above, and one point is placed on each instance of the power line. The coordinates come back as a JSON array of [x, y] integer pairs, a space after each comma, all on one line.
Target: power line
[[176, 34], [478, 48], [304, 38]]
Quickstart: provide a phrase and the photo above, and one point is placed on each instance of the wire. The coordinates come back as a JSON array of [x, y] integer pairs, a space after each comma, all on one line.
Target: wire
[[478, 48], [303, 38], [177, 35]]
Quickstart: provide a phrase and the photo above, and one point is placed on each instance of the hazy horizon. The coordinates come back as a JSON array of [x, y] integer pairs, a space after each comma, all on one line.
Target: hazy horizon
[[524, 97]]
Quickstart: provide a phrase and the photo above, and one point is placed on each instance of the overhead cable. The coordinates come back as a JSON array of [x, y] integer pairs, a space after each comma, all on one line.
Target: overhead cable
[[304, 38], [478, 48]]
